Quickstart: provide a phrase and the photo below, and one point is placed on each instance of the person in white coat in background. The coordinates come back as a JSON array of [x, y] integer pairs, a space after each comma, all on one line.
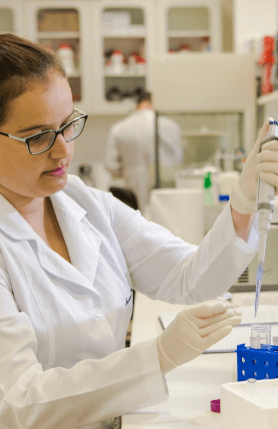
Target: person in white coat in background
[[130, 148], [70, 255]]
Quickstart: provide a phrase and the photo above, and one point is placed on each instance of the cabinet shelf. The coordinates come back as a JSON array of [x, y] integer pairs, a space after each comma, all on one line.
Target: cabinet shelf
[[58, 34], [267, 98], [124, 34], [124, 75], [183, 33], [76, 74]]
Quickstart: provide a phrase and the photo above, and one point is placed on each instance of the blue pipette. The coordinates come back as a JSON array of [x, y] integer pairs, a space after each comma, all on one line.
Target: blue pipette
[[265, 205]]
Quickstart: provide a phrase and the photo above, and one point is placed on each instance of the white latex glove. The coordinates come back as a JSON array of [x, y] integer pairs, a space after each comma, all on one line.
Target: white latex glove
[[244, 193], [194, 329]]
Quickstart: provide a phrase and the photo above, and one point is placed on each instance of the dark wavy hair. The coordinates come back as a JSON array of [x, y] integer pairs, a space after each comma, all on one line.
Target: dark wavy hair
[[22, 64]]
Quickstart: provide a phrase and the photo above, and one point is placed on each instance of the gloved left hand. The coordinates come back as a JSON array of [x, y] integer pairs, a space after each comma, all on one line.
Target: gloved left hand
[[194, 329]]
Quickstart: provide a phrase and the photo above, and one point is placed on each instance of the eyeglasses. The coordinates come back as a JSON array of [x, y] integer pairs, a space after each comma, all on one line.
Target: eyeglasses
[[41, 142]]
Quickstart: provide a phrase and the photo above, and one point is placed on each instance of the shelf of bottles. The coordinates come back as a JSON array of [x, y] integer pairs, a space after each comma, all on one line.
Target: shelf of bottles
[[188, 29], [6, 21], [124, 53], [58, 31]]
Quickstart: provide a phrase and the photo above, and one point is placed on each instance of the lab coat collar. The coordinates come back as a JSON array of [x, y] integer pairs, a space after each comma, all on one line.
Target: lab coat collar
[[16, 227], [76, 233]]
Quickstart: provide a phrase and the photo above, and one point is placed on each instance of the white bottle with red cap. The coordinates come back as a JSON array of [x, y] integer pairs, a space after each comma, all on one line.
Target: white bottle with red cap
[[66, 54], [117, 60]]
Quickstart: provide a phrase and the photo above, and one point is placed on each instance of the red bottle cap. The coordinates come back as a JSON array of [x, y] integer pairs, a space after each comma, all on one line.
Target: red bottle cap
[[64, 45]]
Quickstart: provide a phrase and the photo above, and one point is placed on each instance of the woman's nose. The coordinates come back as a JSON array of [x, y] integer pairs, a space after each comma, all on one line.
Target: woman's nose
[[60, 148]]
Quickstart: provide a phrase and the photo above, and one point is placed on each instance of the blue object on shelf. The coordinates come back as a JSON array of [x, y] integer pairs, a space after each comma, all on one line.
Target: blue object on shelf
[[257, 363]]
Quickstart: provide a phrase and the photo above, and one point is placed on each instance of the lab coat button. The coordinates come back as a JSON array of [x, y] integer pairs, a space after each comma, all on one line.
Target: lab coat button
[[97, 312]]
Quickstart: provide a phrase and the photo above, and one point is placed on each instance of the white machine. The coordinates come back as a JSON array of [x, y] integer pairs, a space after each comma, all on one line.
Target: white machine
[[247, 281]]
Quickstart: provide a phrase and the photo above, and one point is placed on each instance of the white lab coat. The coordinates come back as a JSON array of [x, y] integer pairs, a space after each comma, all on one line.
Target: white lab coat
[[130, 150], [62, 327]]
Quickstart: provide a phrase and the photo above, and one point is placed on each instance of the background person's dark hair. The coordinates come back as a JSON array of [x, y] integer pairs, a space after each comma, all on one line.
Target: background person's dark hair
[[144, 96], [22, 63]]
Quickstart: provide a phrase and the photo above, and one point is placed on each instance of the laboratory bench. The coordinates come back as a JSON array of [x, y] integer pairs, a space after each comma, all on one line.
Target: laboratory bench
[[191, 386]]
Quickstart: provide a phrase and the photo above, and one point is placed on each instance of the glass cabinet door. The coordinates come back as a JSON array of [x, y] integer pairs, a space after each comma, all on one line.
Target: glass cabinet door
[[6, 20], [58, 31], [124, 53], [189, 29]]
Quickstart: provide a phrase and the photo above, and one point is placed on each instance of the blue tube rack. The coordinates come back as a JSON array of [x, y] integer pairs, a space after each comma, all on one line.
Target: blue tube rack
[[257, 363]]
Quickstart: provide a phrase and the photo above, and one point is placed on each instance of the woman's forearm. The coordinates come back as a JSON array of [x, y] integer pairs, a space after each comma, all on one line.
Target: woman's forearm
[[242, 224]]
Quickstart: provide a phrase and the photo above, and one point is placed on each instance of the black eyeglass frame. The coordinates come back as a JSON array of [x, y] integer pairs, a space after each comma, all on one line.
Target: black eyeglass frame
[[60, 131]]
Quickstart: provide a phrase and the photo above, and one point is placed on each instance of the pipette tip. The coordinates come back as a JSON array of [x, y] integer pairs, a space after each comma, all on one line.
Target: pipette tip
[[258, 285]]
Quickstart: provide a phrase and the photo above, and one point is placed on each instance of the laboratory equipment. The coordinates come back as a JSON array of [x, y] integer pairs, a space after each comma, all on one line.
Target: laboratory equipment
[[201, 145], [265, 205], [260, 336], [247, 281], [257, 363], [226, 296], [189, 178]]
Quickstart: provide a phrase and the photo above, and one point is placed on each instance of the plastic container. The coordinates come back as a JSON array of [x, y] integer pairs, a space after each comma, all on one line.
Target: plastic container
[[260, 336], [117, 64], [259, 364], [66, 54]]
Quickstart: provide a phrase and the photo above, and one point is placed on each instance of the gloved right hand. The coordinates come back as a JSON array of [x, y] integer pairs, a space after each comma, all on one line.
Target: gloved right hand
[[244, 193], [194, 329]]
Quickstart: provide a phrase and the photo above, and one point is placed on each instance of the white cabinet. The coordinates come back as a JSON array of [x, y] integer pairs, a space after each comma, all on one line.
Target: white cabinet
[[189, 25], [122, 27], [11, 17], [53, 24], [95, 29]]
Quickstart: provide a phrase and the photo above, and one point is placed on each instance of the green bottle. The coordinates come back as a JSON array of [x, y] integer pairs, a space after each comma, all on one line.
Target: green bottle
[[208, 195]]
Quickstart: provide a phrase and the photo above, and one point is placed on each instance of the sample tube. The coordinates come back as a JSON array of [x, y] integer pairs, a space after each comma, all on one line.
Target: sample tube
[[260, 336]]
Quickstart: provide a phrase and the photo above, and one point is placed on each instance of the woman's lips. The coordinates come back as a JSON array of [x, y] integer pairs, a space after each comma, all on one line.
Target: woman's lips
[[57, 172]]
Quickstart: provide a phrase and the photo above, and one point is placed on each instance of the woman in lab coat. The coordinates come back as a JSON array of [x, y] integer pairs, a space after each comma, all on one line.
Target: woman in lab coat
[[70, 255]]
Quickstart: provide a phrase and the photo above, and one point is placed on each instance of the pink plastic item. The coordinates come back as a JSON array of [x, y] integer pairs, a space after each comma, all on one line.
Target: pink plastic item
[[215, 405]]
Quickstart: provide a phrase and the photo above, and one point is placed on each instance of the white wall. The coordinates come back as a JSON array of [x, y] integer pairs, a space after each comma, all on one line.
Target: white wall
[[253, 19]]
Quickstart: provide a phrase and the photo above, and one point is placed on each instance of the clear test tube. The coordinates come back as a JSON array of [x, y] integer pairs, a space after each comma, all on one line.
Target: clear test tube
[[260, 336]]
